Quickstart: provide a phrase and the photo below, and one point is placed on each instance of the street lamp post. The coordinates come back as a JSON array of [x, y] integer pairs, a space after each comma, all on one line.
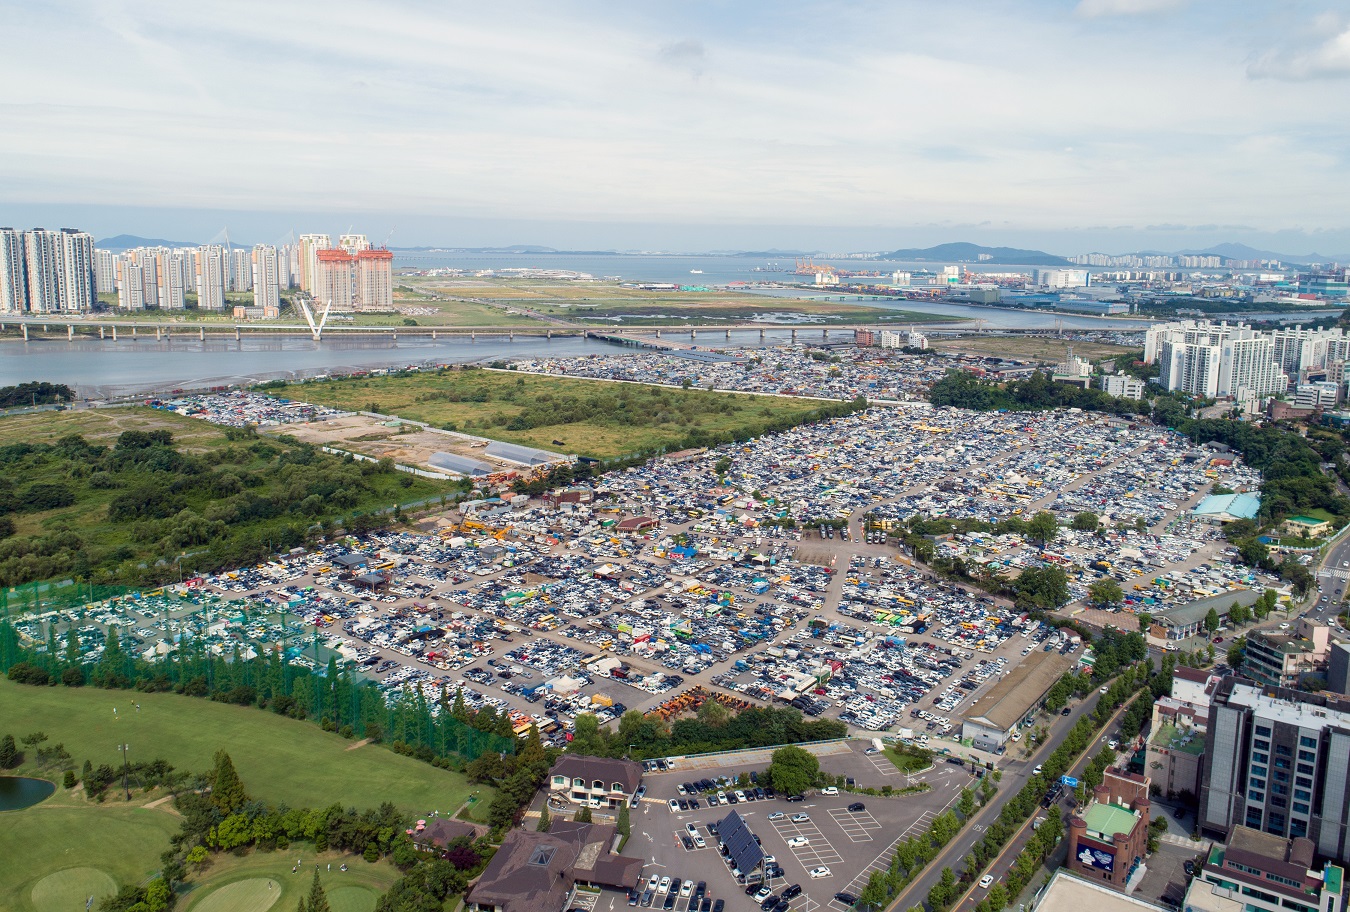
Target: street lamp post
[[125, 787]]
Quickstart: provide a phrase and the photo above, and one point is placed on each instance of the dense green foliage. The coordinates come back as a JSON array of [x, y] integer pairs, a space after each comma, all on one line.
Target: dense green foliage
[[961, 389], [132, 510], [332, 697], [756, 727], [34, 392], [792, 770]]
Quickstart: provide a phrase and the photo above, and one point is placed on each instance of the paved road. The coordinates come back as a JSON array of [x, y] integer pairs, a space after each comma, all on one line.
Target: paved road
[[1015, 775]]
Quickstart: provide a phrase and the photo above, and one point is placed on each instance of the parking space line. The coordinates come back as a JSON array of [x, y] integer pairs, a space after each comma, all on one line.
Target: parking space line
[[857, 825], [882, 861]]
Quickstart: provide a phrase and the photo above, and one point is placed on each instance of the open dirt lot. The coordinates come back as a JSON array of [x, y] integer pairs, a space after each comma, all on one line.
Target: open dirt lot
[[1027, 348], [407, 444]]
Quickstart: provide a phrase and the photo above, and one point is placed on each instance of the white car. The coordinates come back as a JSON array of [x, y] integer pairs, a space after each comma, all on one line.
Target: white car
[[986, 881], [777, 815], [686, 888], [796, 842], [829, 791], [870, 751], [700, 842], [674, 805], [691, 829], [652, 882], [763, 894], [821, 871], [800, 818], [664, 887]]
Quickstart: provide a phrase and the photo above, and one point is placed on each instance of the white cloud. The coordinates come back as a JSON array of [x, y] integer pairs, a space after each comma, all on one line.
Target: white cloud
[[1315, 57], [703, 113], [1095, 8]]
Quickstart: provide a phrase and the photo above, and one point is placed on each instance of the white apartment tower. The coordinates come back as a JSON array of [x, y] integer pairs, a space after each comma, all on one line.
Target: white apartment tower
[[266, 276], [13, 284], [42, 261], [353, 242], [241, 269], [310, 245], [76, 259], [211, 268], [1190, 367], [131, 281], [105, 271]]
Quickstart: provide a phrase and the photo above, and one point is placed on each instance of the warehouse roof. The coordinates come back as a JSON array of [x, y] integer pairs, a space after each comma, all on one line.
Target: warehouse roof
[[1229, 506], [1023, 687], [514, 452], [1194, 612], [461, 465]]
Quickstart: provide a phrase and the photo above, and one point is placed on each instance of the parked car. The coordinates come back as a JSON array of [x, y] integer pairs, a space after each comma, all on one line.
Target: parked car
[[819, 872]]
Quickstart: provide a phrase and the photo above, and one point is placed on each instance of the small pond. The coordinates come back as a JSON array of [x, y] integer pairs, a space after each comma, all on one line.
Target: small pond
[[17, 792]]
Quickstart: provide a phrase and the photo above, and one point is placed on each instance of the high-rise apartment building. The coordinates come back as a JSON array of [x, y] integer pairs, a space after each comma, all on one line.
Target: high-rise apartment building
[[333, 279], [374, 280], [42, 267], [105, 271], [1278, 761], [285, 270], [353, 242], [266, 277], [75, 257], [132, 281], [211, 268], [1215, 359], [310, 245], [241, 269], [13, 268]]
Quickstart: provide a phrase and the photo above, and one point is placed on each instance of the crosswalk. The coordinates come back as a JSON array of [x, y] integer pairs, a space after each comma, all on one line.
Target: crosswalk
[[1334, 574]]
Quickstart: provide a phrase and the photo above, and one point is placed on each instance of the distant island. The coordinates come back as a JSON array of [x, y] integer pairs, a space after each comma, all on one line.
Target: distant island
[[961, 252]]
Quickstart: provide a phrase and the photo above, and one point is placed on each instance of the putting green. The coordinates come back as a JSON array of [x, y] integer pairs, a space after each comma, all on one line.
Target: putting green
[[257, 894], [64, 891], [352, 899]]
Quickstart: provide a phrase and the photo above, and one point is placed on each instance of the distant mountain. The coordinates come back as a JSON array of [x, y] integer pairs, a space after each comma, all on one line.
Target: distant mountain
[[127, 241], [970, 253], [771, 253]]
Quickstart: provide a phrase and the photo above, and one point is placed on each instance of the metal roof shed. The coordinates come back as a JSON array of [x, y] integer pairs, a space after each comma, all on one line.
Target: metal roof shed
[[514, 452], [460, 465]]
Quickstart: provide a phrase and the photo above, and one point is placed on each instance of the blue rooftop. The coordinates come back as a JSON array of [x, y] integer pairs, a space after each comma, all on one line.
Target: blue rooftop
[[1238, 506]]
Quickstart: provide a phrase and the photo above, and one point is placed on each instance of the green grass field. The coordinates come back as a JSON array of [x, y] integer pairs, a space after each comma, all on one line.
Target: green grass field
[[55, 856], [619, 418], [279, 759], [58, 853]]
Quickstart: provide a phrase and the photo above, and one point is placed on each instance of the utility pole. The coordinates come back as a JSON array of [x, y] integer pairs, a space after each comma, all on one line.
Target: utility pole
[[126, 788]]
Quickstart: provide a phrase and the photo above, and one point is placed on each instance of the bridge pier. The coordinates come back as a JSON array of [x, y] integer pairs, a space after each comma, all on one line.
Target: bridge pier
[[658, 333], [761, 335], [510, 337], [25, 332], [158, 333], [693, 333], [433, 335], [473, 337], [549, 335], [70, 331], [101, 331], [114, 329], [236, 332], [44, 327], [201, 333], [794, 335], [824, 333], [728, 334]]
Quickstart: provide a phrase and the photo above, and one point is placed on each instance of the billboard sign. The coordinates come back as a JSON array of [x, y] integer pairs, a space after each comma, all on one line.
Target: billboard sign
[[1096, 858]]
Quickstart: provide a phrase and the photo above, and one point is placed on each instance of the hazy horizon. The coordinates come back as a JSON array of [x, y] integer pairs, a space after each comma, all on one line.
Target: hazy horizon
[[1063, 125]]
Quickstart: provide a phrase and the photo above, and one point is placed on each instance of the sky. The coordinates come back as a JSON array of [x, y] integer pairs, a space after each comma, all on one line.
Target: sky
[[1066, 125]]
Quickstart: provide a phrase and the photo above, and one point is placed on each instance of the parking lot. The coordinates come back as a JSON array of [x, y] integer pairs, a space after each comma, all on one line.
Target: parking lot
[[850, 844]]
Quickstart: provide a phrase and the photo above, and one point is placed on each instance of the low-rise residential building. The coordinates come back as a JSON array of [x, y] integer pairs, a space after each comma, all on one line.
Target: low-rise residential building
[[1286, 659], [1123, 385], [595, 781], [1258, 872], [1176, 748], [1305, 527], [539, 872]]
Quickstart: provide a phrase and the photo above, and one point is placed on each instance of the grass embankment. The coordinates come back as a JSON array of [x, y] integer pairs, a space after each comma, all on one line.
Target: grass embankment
[[279, 759], [86, 502], [589, 417]]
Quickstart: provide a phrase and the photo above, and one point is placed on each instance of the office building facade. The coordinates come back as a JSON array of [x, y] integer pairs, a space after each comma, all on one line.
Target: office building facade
[[1278, 761]]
